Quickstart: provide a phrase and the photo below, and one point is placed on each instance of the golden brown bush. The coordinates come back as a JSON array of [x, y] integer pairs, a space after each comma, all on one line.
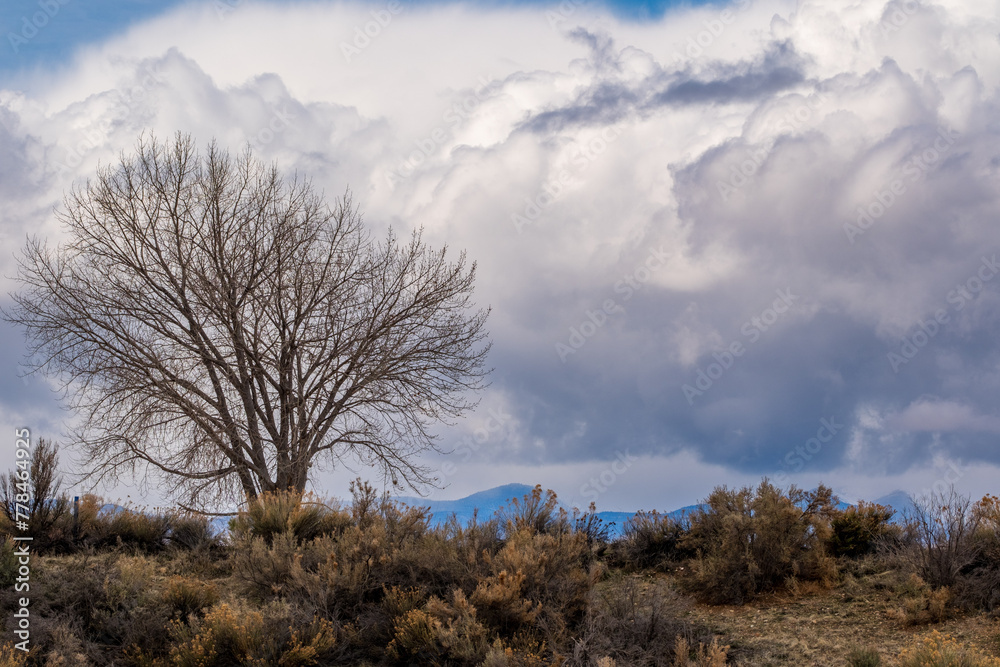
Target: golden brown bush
[[440, 632], [233, 635], [184, 596], [279, 512], [12, 657]]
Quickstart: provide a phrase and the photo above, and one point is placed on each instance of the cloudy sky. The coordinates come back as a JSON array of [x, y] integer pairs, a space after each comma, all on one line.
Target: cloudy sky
[[720, 241]]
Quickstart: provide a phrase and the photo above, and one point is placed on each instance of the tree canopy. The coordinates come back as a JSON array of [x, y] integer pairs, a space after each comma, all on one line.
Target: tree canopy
[[226, 329]]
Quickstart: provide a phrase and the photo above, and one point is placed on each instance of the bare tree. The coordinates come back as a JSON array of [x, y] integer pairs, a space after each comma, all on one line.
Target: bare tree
[[38, 492], [224, 327], [946, 523]]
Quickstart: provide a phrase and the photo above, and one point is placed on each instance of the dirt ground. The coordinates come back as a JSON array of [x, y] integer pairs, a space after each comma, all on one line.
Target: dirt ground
[[821, 626]]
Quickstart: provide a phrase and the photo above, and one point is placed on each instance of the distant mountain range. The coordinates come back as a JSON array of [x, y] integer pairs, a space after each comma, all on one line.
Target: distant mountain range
[[489, 501]]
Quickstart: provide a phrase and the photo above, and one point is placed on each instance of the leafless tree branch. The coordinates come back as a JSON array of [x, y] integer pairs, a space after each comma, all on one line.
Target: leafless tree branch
[[224, 327]]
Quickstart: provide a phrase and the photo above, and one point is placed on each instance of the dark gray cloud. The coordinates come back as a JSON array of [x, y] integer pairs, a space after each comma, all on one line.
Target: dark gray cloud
[[794, 230], [610, 99]]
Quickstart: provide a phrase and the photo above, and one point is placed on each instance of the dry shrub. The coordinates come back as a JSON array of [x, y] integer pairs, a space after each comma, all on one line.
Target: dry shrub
[[955, 543], [938, 650], [750, 541], [11, 656], [360, 573], [858, 530], [34, 485], [923, 604], [128, 583], [8, 562], [863, 656], [945, 524], [651, 540], [275, 513], [501, 597], [711, 655], [595, 531], [440, 632], [235, 635], [193, 532], [540, 580], [633, 624], [537, 512], [106, 601], [388, 572], [65, 648], [500, 655], [978, 585], [129, 528], [265, 567], [183, 596], [467, 546]]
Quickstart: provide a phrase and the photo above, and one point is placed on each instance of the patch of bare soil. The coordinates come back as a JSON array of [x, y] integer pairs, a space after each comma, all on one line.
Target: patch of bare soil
[[821, 626]]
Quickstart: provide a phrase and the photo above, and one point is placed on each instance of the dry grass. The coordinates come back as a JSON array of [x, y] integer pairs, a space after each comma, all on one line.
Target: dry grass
[[824, 627], [373, 584]]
